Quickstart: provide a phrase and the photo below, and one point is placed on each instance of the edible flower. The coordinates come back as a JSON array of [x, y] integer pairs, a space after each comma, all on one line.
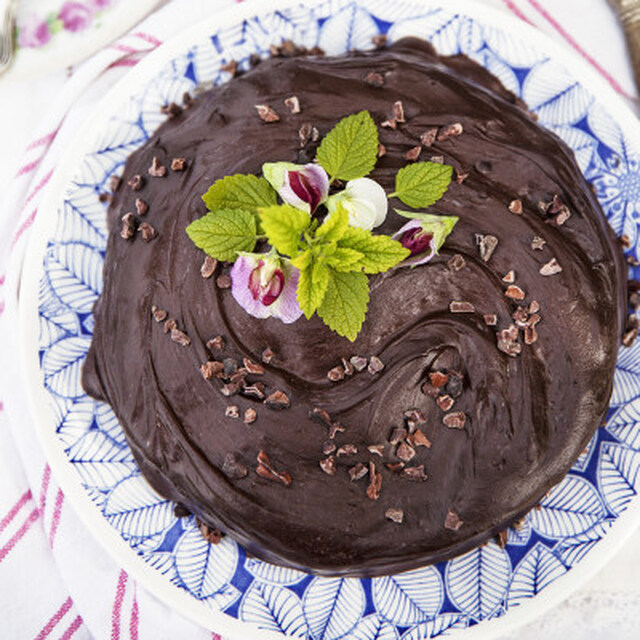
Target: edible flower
[[264, 285], [365, 200], [302, 186], [423, 235]]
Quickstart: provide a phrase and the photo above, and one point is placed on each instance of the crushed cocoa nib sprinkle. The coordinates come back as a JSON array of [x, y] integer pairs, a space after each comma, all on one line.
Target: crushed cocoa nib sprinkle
[[136, 182], [347, 450], [208, 267], [266, 113], [328, 465], [395, 467], [450, 131], [180, 337], [534, 307], [159, 315], [445, 402], [454, 385], [141, 207], [170, 325], [278, 400], [429, 136], [157, 170], [514, 292], [461, 306], [230, 67], [223, 281], [252, 367], [255, 390], [452, 521], [335, 428], [413, 154], [104, 197], [212, 369], [631, 331], [521, 317], [530, 335], [374, 79], [180, 511], [336, 374], [212, 536], [232, 411], [349, 369], [375, 482], [398, 434], [460, 176], [148, 232], [456, 262], [418, 439], [230, 388], [437, 159], [379, 41], [414, 415], [515, 206], [382, 150], [455, 420], [171, 110], [398, 111], [376, 449], [293, 104], [550, 268], [486, 245], [304, 133], [250, 416], [415, 473], [509, 277], [537, 243], [187, 100], [215, 344], [390, 123], [357, 472], [395, 515], [265, 470], [328, 447], [268, 355], [178, 164], [128, 229], [625, 241], [438, 378], [320, 416], [375, 365], [508, 343], [405, 452], [490, 319], [230, 366], [114, 183], [359, 363], [501, 538]]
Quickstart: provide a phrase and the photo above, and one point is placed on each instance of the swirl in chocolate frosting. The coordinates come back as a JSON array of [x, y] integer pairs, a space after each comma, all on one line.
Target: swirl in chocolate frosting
[[530, 355]]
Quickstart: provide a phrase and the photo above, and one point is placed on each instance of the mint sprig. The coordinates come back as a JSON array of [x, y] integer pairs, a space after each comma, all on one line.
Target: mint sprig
[[240, 192], [283, 226], [224, 233], [350, 149], [345, 303], [421, 184]]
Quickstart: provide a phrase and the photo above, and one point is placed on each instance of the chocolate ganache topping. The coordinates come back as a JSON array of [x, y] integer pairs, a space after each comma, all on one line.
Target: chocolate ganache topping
[[476, 380]]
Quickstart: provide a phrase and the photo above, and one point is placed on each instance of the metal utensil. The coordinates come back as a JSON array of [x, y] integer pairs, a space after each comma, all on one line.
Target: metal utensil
[[629, 13], [7, 27]]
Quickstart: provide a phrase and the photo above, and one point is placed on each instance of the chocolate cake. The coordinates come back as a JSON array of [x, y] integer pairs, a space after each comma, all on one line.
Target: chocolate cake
[[476, 380]]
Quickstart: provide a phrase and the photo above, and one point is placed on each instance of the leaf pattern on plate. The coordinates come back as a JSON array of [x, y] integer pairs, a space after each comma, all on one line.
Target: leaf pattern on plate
[[410, 597], [438, 626], [275, 609], [624, 425], [618, 475], [572, 550], [273, 574], [477, 581], [373, 627]]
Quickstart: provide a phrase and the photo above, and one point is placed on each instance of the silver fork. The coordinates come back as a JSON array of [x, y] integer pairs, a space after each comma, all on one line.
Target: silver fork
[[7, 26]]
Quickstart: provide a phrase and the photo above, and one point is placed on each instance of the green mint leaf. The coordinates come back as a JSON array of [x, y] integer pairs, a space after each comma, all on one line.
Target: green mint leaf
[[312, 287], [350, 149], [283, 226], [379, 253], [439, 226], [420, 184], [302, 260], [344, 305], [224, 233], [335, 225], [240, 192], [344, 259]]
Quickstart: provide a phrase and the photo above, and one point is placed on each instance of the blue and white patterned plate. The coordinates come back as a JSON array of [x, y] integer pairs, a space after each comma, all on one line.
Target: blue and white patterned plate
[[578, 525]]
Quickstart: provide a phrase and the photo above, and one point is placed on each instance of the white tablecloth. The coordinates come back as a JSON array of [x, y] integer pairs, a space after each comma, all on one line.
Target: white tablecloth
[[55, 580]]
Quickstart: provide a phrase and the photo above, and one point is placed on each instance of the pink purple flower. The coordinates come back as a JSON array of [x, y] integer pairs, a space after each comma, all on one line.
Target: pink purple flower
[[34, 33], [75, 16], [419, 240], [302, 186], [265, 286]]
